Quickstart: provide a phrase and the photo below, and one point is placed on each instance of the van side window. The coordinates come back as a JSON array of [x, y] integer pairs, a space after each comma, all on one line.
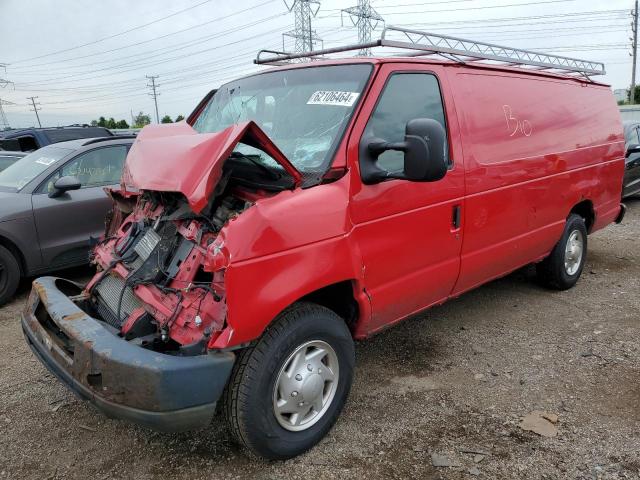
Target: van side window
[[406, 96]]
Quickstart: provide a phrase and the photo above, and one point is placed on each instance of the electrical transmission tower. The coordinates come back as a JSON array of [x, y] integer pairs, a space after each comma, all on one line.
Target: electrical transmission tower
[[4, 123], [35, 108], [153, 86], [305, 37], [366, 19]]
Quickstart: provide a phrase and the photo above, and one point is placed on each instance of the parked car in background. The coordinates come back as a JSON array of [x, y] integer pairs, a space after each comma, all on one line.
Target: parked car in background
[[631, 182], [9, 158], [30, 139], [52, 202]]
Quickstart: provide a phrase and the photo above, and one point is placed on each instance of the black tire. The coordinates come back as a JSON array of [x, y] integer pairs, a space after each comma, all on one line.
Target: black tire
[[9, 275], [551, 271], [248, 399]]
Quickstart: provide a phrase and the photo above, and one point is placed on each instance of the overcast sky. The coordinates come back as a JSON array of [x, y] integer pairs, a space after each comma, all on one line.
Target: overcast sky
[[84, 59]]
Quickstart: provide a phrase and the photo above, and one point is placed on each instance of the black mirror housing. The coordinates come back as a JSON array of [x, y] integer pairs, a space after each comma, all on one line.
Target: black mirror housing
[[65, 184], [425, 154], [632, 148]]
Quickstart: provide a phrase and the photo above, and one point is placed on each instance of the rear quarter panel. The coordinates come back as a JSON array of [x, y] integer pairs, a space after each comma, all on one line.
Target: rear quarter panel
[[534, 147]]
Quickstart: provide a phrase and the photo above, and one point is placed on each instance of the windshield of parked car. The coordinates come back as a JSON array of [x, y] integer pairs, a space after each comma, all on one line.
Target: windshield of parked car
[[304, 111], [6, 160], [16, 176]]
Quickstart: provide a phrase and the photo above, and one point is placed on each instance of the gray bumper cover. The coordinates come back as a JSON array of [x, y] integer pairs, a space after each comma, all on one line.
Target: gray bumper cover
[[159, 391]]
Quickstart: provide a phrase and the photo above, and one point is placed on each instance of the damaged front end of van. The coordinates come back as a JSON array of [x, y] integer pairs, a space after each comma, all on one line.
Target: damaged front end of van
[[144, 339]]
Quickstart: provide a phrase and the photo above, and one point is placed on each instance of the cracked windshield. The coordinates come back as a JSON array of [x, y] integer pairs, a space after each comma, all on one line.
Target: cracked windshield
[[304, 111]]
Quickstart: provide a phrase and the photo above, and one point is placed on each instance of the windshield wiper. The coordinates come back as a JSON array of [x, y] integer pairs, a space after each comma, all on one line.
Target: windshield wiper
[[270, 173]]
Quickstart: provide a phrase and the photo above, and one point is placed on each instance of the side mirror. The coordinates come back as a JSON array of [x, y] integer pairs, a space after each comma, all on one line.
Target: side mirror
[[425, 154], [64, 184], [632, 148]]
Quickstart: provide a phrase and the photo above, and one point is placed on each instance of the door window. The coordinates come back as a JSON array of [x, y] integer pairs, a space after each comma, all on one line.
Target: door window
[[102, 166], [406, 96]]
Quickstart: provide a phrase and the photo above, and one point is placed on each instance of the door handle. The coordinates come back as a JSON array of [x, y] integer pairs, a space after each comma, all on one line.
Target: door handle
[[455, 217]]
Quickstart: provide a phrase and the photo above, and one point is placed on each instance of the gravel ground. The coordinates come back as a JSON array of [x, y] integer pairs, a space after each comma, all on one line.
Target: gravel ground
[[459, 377]]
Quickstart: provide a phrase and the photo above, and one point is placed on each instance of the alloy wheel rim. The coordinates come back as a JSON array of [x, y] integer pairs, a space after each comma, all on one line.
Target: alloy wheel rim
[[573, 252], [306, 386]]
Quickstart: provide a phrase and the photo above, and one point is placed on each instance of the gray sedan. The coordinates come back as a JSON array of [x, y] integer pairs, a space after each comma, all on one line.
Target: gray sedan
[[52, 203]]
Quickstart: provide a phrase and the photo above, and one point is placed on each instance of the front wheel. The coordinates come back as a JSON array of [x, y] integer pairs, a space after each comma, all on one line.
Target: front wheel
[[287, 391], [563, 267], [9, 275]]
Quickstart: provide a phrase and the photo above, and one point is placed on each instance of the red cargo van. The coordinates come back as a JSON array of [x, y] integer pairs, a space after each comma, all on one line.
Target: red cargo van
[[310, 205]]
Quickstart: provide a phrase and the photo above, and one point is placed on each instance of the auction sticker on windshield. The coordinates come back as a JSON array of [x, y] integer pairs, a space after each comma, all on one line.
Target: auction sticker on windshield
[[45, 161], [331, 97]]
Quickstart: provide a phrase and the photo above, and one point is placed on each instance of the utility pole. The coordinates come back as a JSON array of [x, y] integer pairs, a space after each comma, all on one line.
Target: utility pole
[[4, 123], [366, 19], [305, 37], [154, 93], [634, 46], [35, 108]]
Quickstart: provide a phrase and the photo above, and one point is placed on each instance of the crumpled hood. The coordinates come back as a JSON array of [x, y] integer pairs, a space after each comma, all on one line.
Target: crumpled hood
[[176, 158]]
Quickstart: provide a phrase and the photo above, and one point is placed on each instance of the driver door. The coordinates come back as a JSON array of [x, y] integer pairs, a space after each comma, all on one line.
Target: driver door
[[409, 233], [66, 223]]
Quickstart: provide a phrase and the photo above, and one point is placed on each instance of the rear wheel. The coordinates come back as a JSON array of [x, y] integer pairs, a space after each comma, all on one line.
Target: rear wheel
[[9, 275], [287, 391], [563, 267]]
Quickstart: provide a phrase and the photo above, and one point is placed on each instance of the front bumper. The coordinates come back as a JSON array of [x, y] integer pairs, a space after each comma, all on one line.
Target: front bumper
[[123, 380]]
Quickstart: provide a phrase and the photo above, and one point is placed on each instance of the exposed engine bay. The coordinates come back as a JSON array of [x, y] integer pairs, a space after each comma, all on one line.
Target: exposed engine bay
[[160, 280]]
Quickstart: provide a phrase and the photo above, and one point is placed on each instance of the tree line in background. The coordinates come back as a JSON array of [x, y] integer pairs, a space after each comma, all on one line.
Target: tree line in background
[[637, 96], [139, 121]]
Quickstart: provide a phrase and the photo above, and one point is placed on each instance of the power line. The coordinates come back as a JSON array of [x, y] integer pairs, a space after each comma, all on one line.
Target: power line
[[486, 7], [4, 82], [131, 59], [35, 108], [138, 64], [114, 35], [154, 94], [241, 64], [365, 17], [587, 14], [61, 78], [153, 39]]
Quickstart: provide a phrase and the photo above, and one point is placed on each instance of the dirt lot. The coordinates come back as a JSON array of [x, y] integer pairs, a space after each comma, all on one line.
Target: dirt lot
[[460, 376]]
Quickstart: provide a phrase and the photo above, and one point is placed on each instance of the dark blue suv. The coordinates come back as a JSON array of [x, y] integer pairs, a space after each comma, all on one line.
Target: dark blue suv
[[30, 139]]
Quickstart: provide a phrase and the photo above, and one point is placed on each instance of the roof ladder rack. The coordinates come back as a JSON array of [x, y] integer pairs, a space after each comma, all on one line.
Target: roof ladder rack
[[425, 43]]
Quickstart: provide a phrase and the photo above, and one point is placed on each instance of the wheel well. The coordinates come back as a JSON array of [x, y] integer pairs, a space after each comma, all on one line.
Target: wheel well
[[585, 210], [339, 298], [9, 245]]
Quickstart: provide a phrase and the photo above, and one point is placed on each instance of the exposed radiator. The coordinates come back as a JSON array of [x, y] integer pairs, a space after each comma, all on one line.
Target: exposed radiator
[[109, 291]]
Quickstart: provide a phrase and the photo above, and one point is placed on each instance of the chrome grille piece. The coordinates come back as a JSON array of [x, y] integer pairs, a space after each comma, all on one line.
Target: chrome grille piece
[[109, 290]]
